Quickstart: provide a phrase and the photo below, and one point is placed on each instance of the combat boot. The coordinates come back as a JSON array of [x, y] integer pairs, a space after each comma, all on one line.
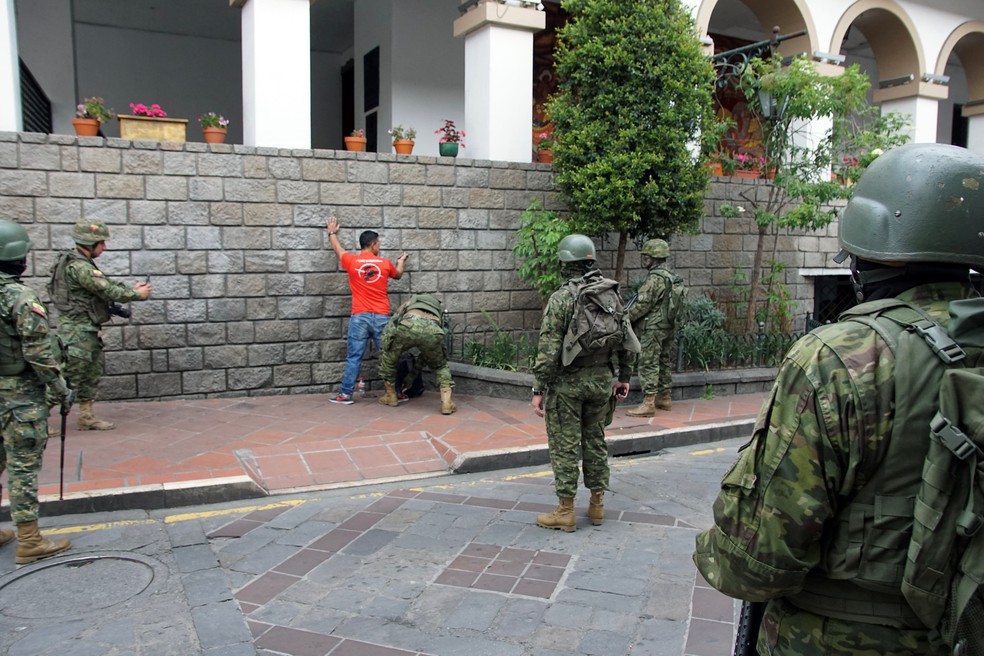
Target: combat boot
[[31, 545], [88, 421], [447, 405], [664, 401], [389, 398], [646, 409], [596, 507], [6, 535], [561, 518]]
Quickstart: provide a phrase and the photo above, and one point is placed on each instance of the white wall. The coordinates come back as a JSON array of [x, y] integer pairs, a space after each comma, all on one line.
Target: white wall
[[373, 25], [197, 75], [44, 34]]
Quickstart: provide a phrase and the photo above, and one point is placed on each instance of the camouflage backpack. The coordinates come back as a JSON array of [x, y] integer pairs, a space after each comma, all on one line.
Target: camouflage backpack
[[943, 575], [676, 296], [598, 324]]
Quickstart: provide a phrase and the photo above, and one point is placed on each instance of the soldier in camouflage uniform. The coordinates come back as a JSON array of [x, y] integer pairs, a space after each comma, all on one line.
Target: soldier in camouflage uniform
[[27, 370], [655, 331], [82, 295], [912, 229], [578, 401], [416, 324]]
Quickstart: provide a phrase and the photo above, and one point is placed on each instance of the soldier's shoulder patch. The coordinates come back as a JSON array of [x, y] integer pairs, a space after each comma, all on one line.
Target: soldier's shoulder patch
[[96, 273], [37, 308]]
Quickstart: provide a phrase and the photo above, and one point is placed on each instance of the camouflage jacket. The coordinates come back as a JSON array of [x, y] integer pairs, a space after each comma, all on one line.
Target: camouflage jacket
[[553, 328], [816, 442], [647, 310], [25, 319], [82, 295]]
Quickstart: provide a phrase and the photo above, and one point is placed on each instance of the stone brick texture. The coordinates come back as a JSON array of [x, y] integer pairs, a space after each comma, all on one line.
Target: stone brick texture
[[248, 296]]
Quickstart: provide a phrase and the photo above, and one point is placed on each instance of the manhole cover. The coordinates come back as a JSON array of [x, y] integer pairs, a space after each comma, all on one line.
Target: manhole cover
[[76, 585]]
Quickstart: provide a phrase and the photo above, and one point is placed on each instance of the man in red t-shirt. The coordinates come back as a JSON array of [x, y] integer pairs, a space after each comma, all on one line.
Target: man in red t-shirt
[[368, 276]]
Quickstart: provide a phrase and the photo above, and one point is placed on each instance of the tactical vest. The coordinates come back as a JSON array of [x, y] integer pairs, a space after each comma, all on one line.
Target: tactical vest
[[865, 552], [11, 355], [74, 305]]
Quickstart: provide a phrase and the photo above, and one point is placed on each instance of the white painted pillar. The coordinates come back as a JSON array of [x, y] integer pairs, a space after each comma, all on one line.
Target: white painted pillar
[[11, 119], [276, 72], [499, 79], [975, 128], [923, 116]]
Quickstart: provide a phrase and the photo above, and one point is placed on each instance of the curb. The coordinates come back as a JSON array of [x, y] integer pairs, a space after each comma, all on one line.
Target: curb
[[618, 446]]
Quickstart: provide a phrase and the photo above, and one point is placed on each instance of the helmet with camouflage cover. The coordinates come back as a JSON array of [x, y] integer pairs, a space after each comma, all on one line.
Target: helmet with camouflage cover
[[88, 232], [918, 203], [656, 248], [575, 248], [14, 242]]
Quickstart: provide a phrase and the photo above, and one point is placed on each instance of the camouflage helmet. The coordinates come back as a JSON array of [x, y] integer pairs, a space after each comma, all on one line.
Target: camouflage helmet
[[88, 232], [574, 248], [14, 242], [656, 248], [918, 203]]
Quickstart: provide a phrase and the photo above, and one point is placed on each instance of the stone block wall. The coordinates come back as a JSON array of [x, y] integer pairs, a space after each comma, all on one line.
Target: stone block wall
[[248, 296]]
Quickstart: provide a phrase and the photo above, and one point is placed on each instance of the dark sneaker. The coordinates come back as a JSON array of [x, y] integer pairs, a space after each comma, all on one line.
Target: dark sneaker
[[344, 399]]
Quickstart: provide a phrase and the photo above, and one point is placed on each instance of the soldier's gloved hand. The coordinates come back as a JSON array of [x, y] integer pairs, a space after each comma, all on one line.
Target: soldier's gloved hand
[[65, 394]]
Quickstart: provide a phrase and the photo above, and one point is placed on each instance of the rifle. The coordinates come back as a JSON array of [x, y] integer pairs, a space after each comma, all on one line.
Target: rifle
[[748, 627], [61, 468]]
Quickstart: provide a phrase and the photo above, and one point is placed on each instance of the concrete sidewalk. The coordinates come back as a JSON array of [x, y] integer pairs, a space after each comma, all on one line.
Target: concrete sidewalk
[[172, 453]]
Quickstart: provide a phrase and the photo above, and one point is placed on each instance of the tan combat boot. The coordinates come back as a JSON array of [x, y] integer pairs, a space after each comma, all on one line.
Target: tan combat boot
[[562, 517], [646, 409], [447, 405], [88, 421], [664, 401], [596, 507], [389, 398], [31, 545], [6, 535]]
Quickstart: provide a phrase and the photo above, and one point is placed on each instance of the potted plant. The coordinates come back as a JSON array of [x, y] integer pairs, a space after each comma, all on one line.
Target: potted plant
[[721, 163], [214, 127], [544, 148], [403, 139], [748, 165], [356, 141], [90, 115], [152, 123], [451, 139]]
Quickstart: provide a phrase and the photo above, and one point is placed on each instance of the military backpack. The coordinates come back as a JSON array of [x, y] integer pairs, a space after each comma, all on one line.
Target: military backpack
[[598, 324], [943, 568], [675, 298]]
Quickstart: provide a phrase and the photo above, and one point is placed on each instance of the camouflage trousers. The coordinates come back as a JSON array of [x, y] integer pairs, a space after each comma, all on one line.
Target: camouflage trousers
[[577, 408], [654, 366], [24, 432], [415, 332], [84, 358]]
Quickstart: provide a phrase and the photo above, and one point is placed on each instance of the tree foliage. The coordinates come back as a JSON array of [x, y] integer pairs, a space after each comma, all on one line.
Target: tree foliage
[[633, 103], [801, 157], [540, 231]]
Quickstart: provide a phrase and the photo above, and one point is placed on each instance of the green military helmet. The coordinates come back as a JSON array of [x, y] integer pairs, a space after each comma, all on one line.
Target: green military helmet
[[14, 242], [656, 248], [88, 232], [428, 303], [918, 203], [574, 248]]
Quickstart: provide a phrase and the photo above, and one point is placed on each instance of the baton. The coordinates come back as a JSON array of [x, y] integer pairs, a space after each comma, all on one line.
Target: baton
[[61, 469]]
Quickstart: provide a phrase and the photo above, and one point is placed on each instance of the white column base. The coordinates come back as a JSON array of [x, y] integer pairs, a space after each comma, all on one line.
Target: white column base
[[923, 116]]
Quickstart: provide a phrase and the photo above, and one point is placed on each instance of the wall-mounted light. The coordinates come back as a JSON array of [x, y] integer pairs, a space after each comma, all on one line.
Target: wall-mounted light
[[896, 81], [932, 78], [829, 58]]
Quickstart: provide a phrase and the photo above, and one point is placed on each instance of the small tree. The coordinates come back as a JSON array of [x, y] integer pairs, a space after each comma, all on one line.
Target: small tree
[[540, 231], [633, 104], [802, 192]]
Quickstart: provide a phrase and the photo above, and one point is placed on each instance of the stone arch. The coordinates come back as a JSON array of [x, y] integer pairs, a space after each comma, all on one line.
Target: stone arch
[[885, 25], [967, 42], [789, 15]]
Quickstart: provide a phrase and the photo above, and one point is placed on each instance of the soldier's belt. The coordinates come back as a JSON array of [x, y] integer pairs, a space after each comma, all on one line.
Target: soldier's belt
[[420, 314]]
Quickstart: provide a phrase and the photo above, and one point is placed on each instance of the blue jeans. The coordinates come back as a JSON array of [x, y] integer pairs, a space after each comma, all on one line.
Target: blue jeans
[[361, 327]]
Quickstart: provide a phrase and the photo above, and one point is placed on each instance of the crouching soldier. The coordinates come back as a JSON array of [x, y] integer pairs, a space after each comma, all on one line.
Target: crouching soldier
[[417, 323]]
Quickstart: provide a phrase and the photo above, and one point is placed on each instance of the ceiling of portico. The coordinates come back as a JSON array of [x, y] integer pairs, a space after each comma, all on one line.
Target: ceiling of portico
[[331, 20]]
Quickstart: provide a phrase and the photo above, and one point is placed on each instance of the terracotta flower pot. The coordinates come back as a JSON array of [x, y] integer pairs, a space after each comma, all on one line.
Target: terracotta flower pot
[[214, 135], [86, 127], [355, 144], [752, 175], [716, 168], [544, 156], [403, 146], [448, 149]]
